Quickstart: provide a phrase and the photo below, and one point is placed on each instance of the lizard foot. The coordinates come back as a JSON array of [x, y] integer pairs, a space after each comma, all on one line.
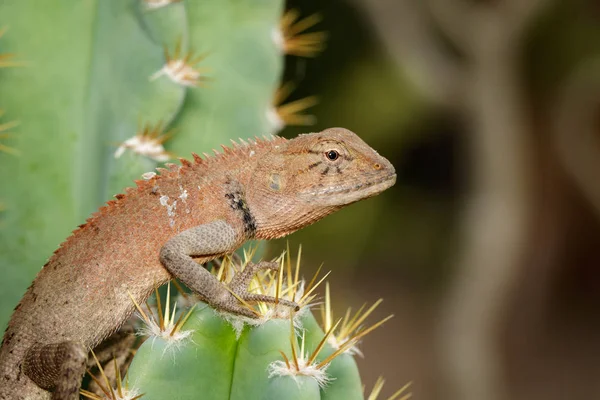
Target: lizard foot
[[232, 304], [239, 286], [251, 297]]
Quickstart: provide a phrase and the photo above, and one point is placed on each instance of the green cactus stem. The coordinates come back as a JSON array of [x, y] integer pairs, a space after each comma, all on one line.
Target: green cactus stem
[[278, 355]]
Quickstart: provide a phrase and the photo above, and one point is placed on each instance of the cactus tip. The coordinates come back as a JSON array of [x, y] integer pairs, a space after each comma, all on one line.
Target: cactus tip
[[3, 128], [108, 392], [396, 396], [289, 36], [182, 69], [280, 115], [163, 323], [351, 330], [155, 4], [301, 363], [148, 142], [7, 59]]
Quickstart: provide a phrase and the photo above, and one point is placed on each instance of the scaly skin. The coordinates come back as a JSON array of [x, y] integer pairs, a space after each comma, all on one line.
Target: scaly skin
[[188, 214]]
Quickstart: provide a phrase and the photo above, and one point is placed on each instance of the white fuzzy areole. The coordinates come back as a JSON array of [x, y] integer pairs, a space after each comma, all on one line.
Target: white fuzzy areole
[[276, 122], [280, 368], [179, 72], [154, 4], [144, 145], [278, 39]]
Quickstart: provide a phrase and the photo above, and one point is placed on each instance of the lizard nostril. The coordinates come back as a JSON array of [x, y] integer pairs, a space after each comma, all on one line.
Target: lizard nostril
[[377, 166]]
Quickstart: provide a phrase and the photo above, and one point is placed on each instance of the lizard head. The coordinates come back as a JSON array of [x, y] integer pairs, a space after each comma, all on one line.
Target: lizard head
[[335, 168], [313, 175]]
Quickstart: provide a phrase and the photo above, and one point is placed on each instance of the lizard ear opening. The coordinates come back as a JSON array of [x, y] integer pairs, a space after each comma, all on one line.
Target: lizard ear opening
[[276, 183]]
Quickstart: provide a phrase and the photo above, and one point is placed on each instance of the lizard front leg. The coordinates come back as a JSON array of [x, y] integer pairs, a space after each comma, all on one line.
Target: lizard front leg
[[209, 240]]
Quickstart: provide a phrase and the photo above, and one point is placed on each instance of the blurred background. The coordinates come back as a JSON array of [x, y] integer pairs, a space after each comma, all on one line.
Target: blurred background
[[485, 250]]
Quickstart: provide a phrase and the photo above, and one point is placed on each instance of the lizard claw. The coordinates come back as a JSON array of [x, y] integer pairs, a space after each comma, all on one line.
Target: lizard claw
[[271, 300], [232, 304], [239, 286]]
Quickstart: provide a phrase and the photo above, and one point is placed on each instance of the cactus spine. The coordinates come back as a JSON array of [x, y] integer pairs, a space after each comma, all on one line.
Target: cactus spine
[[277, 356]]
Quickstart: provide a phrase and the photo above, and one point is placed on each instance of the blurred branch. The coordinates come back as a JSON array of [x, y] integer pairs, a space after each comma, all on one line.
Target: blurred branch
[[403, 27], [495, 229], [463, 22], [454, 18], [523, 11], [498, 216], [499, 209], [575, 128]]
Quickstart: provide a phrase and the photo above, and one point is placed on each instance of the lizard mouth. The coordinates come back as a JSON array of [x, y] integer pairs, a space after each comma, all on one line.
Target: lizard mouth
[[342, 195]]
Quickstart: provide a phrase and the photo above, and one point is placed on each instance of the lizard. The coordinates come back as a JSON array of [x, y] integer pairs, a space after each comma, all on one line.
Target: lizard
[[164, 228]]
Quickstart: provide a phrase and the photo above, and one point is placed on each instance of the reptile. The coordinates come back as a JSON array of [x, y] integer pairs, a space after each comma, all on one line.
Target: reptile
[[163, 228]]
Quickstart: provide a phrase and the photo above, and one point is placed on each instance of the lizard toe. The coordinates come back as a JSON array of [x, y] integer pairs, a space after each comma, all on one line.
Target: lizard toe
[[251, 297]]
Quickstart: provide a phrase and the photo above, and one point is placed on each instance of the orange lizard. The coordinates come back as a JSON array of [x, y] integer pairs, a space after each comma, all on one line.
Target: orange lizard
[[162, 229]]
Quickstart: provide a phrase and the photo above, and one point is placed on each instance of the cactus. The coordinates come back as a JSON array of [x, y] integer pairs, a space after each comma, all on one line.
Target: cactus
[[118, 87], [280, 355], [107, 90]]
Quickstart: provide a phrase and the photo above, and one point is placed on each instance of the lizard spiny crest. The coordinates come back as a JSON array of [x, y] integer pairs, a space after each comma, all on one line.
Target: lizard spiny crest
[[202, 166]]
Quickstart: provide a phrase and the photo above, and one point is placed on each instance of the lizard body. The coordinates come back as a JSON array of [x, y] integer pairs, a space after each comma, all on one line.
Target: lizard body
[[163, 228]]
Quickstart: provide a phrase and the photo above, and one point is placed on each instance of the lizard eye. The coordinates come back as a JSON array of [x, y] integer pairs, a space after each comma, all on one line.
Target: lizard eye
[[332, 155]]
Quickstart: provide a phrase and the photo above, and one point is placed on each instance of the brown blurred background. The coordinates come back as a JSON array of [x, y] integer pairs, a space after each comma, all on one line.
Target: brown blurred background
[[486, 250]]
